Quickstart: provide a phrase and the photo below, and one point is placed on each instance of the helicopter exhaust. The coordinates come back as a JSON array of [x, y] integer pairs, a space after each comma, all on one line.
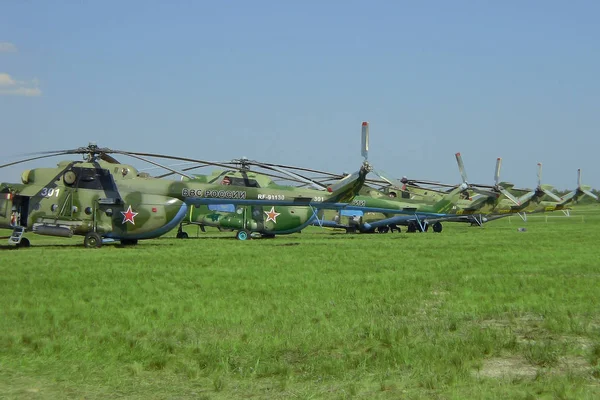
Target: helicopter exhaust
[[52, 230]]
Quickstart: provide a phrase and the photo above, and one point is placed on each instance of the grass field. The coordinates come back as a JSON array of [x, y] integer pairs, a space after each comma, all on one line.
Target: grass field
[[482, 313]]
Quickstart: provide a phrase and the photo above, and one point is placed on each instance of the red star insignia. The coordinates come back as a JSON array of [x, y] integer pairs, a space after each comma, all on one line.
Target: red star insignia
[[272, 215], [128, 216]]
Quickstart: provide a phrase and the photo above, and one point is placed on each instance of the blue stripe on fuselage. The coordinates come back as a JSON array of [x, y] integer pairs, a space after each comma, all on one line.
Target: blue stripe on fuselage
[[157, 232]]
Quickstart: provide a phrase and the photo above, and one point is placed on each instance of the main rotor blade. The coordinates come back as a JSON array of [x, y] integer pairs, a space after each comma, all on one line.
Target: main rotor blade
[[365, 140], [34, 158], [526, 197], [579, 177], [539, 173], [509, 195], [312, 170], [497, 173], [183, 170], [461, 168], [109, 159], [160, 165], [304, 179], [391, 181], [550, 194], [592, 195]]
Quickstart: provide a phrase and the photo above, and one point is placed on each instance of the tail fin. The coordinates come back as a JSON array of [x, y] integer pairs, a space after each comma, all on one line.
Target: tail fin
[[577, 193], [345, 190]]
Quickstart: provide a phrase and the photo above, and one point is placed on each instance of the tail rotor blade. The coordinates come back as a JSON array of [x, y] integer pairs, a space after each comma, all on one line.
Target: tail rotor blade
[[365, 140], [461, 168]]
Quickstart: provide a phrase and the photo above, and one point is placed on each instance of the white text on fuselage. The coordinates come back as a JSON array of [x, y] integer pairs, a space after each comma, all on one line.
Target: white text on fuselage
[[219, 194], [263, 196]]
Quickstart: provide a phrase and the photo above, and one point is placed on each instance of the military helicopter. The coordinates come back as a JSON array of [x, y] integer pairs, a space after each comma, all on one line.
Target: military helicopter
[[100, 198], [257, 219]]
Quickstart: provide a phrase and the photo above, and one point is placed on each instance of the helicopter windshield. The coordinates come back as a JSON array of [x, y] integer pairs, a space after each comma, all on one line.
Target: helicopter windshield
[[237, 181]]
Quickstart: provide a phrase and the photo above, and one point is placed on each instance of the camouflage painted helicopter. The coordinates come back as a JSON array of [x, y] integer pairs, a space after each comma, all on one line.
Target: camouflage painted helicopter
[[482, 203], [476, 204], [101, 198], [264, 221]]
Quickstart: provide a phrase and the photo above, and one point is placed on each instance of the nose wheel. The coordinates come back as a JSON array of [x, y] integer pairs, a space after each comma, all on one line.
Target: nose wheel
[[92, 240], [243, 235], [24, 243]]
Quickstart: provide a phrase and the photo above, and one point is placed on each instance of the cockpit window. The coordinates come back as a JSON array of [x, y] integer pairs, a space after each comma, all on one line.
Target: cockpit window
[[94, 178], [235, 181]]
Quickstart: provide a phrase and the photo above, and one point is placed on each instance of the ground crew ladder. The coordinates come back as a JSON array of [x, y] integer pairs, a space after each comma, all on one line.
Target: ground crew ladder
[[17, 235]]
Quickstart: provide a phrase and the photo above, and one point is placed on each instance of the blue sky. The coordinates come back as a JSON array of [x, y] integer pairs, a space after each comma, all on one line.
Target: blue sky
[[290, 82]]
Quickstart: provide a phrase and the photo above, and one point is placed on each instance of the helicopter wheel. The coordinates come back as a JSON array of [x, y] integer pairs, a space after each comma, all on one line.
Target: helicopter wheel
[[182, 235], [437, 227], [92, 239], [24, 243], [243, 235], [412, 227], [129, 242], [394, 227], [383, 229]]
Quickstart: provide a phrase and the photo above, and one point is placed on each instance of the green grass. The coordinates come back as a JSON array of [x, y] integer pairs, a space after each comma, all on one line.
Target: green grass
[[469, 313]]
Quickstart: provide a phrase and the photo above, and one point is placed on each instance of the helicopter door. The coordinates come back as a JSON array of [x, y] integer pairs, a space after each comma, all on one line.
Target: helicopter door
[[20, 210], [5, 201]]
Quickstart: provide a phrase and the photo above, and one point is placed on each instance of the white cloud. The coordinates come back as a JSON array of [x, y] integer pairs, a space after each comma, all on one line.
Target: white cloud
[[21, 91], [11, 87], [7, 47], [6, 80]]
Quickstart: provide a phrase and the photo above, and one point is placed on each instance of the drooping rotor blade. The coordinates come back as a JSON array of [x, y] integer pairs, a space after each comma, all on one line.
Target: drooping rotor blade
[[316, 185], [311, 170], [34, 158], [365, 140], [526, 197], [394, 182], [160, 165], [476, 189], [497, 173], [509, 195], [592, 195], [549, 193], [109, 159], [461, 168], [183, 170]]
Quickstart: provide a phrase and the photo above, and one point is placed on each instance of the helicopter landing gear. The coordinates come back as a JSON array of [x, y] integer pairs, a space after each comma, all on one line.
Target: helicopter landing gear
[[383, 229], [412, 227], [91, 240], [24, 243], [129, 242], [437, 227], [183, 235], [243, 235], [394, 227]]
